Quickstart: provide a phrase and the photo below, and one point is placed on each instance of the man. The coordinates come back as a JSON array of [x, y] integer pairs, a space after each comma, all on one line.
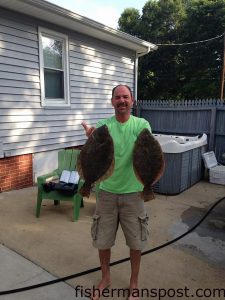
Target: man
[[119, 199]]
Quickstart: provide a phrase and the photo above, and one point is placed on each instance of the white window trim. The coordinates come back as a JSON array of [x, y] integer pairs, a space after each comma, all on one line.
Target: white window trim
[[54, 102]]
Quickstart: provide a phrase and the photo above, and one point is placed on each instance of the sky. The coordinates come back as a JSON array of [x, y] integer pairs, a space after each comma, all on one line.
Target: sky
[[102, 11]]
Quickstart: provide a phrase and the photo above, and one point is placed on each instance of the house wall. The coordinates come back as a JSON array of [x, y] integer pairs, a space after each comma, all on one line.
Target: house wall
[[95, 67]]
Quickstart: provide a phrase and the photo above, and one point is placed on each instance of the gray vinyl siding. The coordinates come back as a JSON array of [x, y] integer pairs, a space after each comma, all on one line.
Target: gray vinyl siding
[[94, 68]]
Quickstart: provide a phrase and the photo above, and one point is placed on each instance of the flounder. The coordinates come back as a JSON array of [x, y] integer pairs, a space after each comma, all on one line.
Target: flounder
[[148, 162], [96, 159]]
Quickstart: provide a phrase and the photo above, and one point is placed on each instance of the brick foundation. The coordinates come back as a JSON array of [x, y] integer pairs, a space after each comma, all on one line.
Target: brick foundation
[[16, 172]]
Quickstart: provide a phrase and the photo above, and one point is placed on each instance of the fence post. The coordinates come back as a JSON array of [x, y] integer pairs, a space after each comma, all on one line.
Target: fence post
[[136, 109], [212, 128]]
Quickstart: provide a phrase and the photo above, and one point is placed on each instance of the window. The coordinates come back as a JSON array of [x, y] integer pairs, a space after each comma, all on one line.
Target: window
[[53, 50]]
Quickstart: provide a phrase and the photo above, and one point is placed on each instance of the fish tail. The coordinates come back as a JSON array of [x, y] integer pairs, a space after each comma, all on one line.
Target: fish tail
[[147, 194], [85, 190]]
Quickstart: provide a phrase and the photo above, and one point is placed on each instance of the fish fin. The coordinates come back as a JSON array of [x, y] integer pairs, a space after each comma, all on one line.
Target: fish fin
[[137, 176], [160, 173], [85, 190], [147, 194], [79, 168]]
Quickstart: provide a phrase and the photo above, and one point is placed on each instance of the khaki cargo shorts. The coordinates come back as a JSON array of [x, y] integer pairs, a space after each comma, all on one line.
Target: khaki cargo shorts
[[125, 209]]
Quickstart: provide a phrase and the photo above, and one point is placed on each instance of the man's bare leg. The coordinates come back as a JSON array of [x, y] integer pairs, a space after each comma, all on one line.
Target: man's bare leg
[[135, 260], [104, 256]]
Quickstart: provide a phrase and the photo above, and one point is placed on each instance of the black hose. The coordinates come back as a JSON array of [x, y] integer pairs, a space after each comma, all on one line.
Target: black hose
[[35, 286]]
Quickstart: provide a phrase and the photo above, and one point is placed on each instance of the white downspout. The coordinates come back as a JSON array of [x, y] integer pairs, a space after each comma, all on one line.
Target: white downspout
[[136, 67], [135, 77], [137, 55]]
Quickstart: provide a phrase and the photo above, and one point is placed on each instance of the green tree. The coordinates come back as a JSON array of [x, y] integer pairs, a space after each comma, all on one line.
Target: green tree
[[191, 71], [130, 21], [202, 63]]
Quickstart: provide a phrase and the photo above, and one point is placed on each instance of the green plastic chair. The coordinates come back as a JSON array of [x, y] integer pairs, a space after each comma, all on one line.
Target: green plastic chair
[[67, 160]]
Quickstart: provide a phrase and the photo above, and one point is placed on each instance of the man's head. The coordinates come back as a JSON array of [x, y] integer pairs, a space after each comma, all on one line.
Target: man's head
[[122, 99]]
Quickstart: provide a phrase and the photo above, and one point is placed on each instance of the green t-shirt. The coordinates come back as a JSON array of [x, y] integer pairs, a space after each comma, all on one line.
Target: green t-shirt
[[123, 179]]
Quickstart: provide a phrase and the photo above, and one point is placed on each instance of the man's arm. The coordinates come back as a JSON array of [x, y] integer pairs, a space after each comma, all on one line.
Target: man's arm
[[88, 130]]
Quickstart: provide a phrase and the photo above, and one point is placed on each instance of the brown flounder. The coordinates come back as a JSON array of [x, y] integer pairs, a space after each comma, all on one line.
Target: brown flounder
[[148, 162], [96, 159]]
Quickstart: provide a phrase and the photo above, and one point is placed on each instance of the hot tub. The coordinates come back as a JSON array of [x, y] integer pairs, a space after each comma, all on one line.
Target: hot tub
[[184, 165]]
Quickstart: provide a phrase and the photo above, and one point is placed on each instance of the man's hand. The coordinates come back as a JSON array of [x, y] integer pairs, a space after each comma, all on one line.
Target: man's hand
[[87, 129]]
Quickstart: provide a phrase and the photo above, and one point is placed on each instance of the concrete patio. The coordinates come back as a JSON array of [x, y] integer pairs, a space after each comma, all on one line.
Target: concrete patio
[[36, 250]]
